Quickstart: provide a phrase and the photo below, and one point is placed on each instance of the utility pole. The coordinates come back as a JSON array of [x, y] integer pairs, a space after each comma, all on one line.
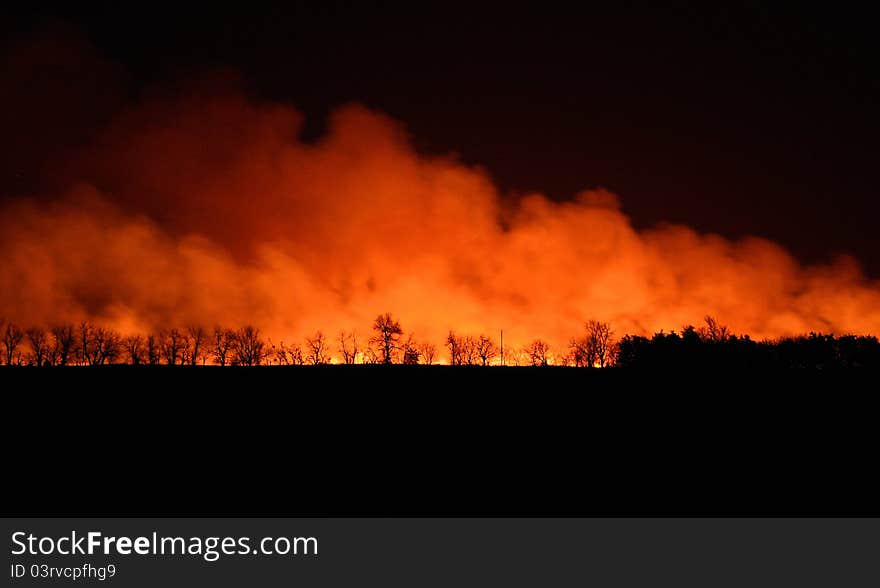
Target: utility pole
[[502, 347]]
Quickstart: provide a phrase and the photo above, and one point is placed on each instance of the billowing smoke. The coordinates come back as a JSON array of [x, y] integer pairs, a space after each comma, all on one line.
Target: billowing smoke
[[201, 205]]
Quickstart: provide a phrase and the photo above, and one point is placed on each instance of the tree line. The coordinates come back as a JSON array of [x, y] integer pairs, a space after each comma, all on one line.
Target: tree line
[[715, 347], [89, 344]]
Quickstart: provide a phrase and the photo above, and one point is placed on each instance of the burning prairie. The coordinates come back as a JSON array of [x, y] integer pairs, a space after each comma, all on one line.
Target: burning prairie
[[204, 206]]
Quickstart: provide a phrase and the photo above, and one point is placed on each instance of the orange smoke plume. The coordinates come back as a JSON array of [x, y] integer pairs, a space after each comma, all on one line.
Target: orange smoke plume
[[209, 209]]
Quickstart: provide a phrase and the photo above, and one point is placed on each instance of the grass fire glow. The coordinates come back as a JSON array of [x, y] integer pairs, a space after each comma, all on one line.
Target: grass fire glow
[[205, 208]]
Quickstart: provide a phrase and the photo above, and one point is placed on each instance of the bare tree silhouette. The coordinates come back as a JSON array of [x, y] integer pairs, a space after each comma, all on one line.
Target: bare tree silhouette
[[595, 348], [97, 345], [39, 343], [465, 349], [104, 346], [317, 349], [714, 331], [154, 349], [427, 351], [453, 343], [63, 343], [84, 333], [221, 345], [387, 338], [12, 338], [284, 355], [581, 352], [172, 345], [248, 348], [599, 343], [348, 346], [486, 350], [135, 349], [296, 355], [468, 347], [195, 339], [411, 352], [538, 353]]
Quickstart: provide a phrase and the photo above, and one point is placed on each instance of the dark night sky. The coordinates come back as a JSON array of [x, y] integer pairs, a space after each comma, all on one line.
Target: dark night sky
[[744, 120]]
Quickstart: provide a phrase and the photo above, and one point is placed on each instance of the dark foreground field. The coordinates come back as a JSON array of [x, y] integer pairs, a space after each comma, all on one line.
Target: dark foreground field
[[372, 440]]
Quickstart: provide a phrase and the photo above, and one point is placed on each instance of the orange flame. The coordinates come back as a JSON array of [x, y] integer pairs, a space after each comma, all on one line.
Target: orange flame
[[208, 209]]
